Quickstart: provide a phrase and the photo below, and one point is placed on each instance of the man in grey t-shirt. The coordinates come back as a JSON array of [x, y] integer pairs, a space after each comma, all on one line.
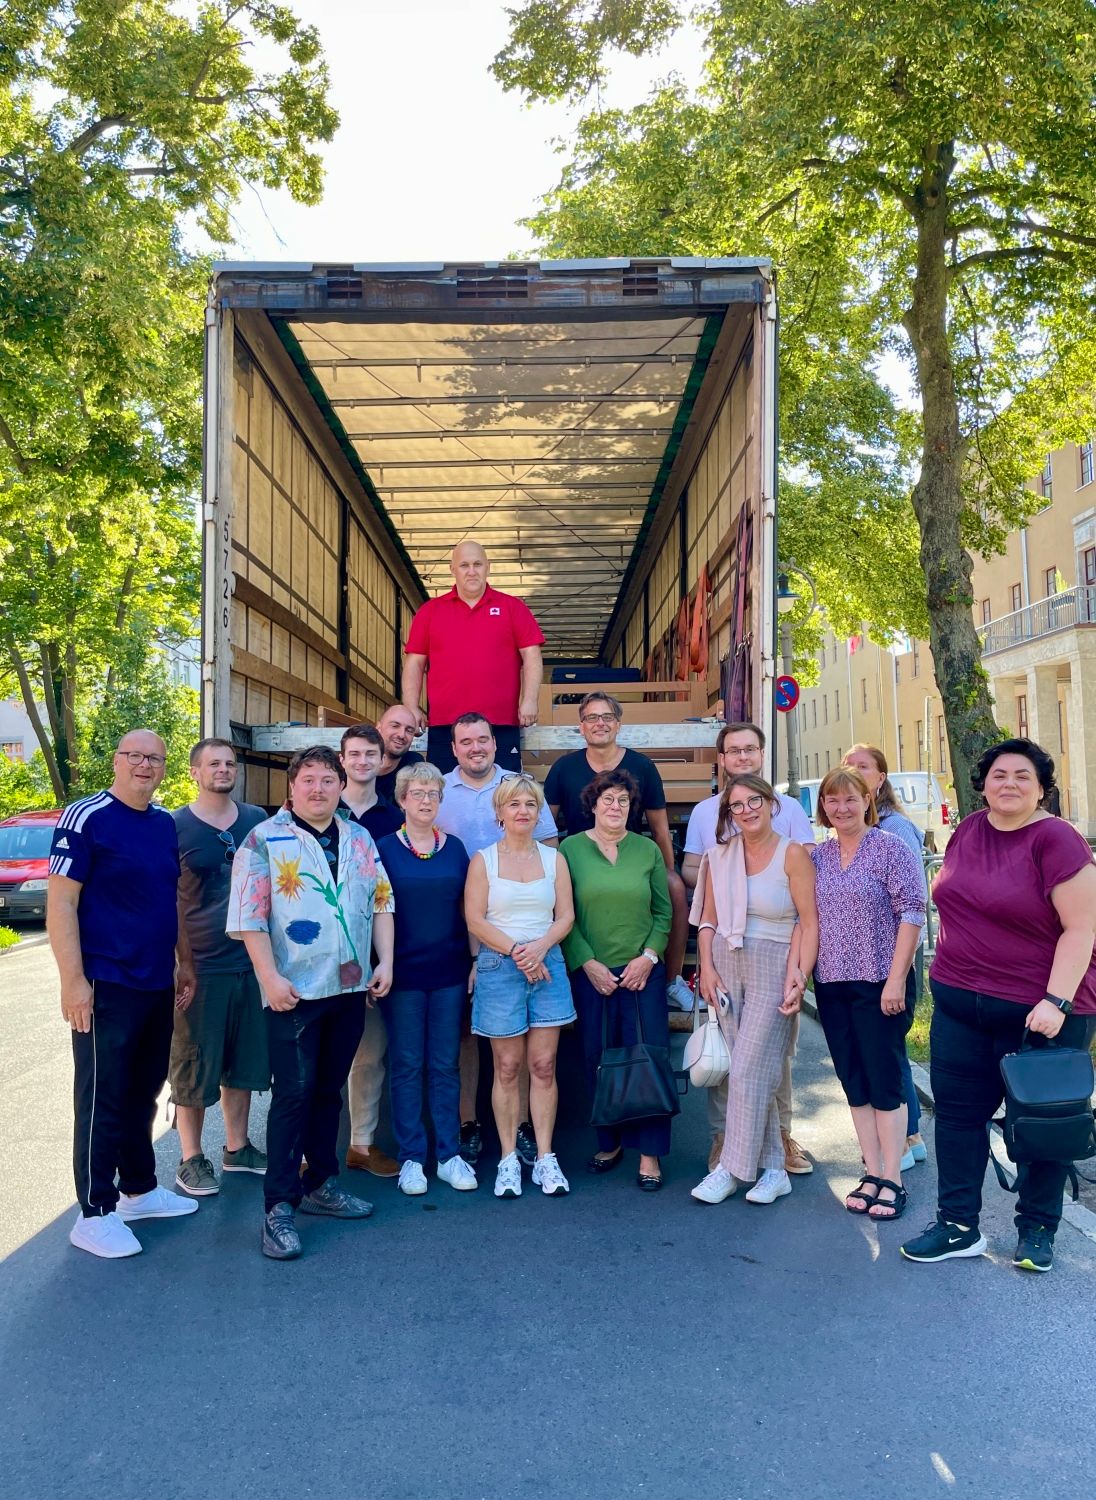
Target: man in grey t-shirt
[[218, 1049]]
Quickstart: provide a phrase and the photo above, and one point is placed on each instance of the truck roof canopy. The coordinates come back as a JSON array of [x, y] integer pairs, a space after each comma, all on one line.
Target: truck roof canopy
[[538, 407]]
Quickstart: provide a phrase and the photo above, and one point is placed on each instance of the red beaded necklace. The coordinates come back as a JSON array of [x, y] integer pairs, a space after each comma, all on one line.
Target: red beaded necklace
[[418, 852]]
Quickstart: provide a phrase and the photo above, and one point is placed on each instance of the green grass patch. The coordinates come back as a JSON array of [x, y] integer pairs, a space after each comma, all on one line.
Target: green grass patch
[[8, 937]]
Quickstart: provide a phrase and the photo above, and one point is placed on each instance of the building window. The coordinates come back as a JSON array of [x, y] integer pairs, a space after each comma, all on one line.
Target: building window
[[1061, 729], [864, 694], [898, 669], [1021, 715], [822, 658], [1086, 462], [827, 760], [901, 748], [1050, 582], [814, 713], [1046, 482], [1015, 598], [1090, 565], [986, 616], [816, 765], [836, 706], [916, 659], [920, 746], [941, 744], [13, 749]]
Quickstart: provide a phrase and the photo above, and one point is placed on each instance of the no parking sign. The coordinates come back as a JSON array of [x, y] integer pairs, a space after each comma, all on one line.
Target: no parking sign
[[787, 694]]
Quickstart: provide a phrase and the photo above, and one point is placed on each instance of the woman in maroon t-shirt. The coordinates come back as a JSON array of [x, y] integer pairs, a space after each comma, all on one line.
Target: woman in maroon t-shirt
[[1017, 904]]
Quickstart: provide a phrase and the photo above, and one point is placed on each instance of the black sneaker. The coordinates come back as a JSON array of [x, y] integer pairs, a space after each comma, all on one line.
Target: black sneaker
[[527, 1144], [1034, 1248], [280, 1240], [944, 1241], [471, 1141], [329, 1199]]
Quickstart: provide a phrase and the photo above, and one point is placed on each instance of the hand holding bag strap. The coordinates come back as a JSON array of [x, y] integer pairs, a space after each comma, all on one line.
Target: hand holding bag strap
[[639, 1018]]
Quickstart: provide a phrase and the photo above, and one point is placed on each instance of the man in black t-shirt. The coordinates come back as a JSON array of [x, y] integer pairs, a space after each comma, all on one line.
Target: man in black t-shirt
[[599, 718], [397, 727]]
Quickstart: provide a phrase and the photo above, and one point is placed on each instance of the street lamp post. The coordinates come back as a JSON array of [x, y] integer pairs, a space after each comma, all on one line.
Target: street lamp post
[[786, 597]]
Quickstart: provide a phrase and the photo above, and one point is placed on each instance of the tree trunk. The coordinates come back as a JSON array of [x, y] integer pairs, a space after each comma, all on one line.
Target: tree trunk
[[41, 734], [938, 494], [54, 685]]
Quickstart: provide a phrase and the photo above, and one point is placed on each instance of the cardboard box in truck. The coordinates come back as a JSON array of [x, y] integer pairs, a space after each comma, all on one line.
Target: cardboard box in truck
[[606, 429]]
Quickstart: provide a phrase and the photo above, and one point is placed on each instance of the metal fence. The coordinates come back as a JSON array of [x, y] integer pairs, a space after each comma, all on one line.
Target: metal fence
[[1057, 612]]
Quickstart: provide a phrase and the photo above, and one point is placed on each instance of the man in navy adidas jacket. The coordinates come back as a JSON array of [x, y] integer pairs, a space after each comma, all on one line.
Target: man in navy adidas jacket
[[111, 918]]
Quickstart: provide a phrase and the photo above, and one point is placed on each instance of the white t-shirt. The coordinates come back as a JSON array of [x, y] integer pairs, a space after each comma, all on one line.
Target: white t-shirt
[[789, 819]]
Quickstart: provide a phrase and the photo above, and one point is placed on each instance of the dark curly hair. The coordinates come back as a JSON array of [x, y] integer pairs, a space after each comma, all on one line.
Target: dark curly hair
[[603, 781], [1043, 763], [320, 755]]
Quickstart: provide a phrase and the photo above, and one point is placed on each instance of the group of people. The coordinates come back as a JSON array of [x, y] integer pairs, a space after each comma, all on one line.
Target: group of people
[[396, 910]]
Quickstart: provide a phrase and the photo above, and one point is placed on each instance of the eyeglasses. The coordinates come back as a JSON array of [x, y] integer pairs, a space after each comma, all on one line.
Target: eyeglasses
[[229, 842], [423, 794], [599, 718], [751, 803], [137, 757], [743, 752]]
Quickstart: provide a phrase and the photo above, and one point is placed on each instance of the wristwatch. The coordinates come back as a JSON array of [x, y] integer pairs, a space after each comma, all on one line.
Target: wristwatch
[[1065, 1006], [650, 955]]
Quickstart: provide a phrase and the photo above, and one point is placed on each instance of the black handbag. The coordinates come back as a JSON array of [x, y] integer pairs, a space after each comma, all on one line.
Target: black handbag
[[1048, 1104], [633, 1083]]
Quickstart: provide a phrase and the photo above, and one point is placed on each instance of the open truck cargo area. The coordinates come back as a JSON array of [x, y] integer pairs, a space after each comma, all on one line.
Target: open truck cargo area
[[606, 429]]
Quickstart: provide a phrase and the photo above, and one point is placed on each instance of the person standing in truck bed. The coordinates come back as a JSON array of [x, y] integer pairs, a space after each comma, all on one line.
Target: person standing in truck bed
[[480, 652]]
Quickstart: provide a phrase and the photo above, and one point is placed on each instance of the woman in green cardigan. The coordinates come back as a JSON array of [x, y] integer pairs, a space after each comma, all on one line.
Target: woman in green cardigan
[[614, 952]]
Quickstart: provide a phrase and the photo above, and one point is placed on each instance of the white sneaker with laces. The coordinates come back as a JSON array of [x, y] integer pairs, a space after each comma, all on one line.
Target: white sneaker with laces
[[678, 995], [458, 1174], [548, 1177], [412, 1179], [771, 1185], [157, 1204], [105, 1235], [718, 1185], [508, 1177]]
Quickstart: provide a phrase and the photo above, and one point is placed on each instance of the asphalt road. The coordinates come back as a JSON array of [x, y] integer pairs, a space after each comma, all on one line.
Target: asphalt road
[[608, 1344]]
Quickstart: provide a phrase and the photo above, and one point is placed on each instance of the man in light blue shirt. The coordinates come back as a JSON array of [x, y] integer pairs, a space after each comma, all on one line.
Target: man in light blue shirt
[[467, 812]]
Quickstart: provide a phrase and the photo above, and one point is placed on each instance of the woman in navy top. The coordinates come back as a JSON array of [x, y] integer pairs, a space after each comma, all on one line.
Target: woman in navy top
[[433, 962]]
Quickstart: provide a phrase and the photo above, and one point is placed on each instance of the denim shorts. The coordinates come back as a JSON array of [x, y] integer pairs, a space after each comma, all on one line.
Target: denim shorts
[[504, 1003]]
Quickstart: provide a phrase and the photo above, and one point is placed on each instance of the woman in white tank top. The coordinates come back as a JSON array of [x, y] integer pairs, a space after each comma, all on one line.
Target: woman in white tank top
[[758, 939], [518, 905]]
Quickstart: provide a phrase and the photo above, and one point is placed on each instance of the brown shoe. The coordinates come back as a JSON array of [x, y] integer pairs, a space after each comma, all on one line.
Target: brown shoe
[[372, 1159], [796, 1159], [716, 1152]]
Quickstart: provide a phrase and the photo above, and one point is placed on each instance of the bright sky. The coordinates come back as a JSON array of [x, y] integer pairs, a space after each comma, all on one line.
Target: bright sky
[[432, 160]]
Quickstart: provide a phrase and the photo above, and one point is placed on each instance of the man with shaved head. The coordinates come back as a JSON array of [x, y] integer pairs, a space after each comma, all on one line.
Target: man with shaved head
[[112, 923], [480, 652]]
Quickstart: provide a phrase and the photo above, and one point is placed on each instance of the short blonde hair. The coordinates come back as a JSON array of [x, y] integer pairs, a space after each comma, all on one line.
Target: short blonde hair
[[845, 778], [511, 787], [421, 772]]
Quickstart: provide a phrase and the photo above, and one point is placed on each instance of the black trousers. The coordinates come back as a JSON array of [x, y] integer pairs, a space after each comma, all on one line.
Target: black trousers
[[119, 1066], [439, 747], [648, 1137], [970, 1034], [868, 1048], [311, 1049]]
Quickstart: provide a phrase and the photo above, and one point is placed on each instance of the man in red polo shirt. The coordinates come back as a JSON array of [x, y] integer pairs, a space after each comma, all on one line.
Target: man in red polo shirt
[[481, 651]]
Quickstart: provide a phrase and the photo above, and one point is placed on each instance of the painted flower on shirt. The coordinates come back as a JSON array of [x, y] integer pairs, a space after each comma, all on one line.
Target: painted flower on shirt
[[288, 882], [382, 895]]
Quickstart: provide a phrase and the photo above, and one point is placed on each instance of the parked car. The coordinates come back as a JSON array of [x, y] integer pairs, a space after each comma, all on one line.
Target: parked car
[[918, 794], [25, 841]]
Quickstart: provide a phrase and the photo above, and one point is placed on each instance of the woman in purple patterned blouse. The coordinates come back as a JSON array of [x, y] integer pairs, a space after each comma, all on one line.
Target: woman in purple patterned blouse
[[871, 904]]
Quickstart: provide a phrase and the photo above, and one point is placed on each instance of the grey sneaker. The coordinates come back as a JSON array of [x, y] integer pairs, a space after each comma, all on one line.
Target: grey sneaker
[[329, 1199], [248, 1159], [280, 1240], [196, 1176]]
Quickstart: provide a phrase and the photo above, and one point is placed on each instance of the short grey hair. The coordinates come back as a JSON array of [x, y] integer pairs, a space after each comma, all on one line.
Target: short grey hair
[[421, 772], [614, 703]]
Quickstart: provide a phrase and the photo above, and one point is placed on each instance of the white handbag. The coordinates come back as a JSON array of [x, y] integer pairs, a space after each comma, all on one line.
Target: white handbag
[[706, 1054]]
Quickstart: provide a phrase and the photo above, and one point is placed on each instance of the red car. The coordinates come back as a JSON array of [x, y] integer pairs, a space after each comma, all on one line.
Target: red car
[[24, 863]]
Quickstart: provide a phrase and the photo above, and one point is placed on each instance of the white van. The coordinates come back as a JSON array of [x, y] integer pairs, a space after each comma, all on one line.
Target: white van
[[918, 793]]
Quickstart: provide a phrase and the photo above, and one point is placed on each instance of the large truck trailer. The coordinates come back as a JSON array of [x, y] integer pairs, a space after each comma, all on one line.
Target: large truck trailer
[[606, 429]]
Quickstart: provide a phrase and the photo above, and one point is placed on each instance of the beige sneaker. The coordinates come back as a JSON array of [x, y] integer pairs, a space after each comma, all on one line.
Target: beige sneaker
[[796, 1159]]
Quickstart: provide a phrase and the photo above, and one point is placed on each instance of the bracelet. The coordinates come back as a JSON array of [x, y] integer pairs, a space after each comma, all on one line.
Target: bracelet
[[706, 927], [513, 945]]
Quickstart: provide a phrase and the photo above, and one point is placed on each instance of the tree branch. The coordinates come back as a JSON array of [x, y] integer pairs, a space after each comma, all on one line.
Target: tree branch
[[27, 692], [89, 136], [22, 463], [1009, 253]]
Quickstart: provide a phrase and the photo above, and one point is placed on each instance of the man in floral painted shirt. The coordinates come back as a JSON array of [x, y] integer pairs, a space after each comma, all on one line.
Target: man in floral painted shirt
[[311, 901]]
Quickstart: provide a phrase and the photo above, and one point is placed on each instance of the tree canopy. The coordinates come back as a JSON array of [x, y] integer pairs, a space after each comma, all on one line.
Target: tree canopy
[[921, 175], [127, 131]]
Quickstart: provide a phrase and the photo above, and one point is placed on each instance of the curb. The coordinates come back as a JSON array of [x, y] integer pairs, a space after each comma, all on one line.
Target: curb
[[1076, 1214], [23, 944]]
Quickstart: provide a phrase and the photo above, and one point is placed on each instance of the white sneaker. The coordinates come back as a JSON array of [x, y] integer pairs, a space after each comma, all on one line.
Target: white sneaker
[[508, 1177], [157, 1204], [412, 1179], [548, 1177], [771, 1185], [458, 1174], [718, 1184], [105, 1235], [678, 995], [908, 1162]]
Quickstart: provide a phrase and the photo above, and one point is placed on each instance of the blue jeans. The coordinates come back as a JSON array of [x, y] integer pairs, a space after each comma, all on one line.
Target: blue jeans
[[913, 1104], [424, 1035]]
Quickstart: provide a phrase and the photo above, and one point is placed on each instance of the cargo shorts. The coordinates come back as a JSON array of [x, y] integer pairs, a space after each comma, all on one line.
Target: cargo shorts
[[219, 1041]]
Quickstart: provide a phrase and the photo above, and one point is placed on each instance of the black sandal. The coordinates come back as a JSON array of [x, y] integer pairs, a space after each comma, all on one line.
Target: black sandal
[[901, 1198], [866, 1199]]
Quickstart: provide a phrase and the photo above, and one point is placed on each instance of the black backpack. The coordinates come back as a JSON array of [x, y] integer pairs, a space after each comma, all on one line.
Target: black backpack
[[1048, 1105]]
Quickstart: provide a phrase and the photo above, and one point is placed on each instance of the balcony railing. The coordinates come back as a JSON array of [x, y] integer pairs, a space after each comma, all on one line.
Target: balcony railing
[[1058, 612]]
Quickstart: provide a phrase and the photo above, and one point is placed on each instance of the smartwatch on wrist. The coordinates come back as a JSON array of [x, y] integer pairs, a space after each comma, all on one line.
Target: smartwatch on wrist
[[1065, 1006]]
